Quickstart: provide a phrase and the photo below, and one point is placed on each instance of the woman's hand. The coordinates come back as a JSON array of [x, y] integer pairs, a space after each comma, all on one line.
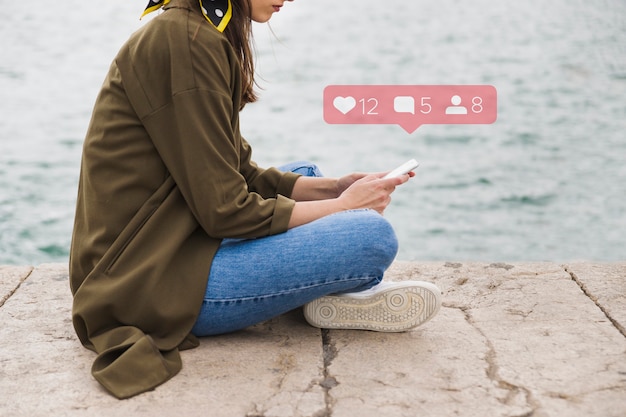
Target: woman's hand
[[346, 181], [370, 191], [318, 197]]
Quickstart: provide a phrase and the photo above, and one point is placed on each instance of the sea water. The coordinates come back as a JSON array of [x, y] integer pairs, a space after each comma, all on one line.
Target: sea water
[[546, 181]]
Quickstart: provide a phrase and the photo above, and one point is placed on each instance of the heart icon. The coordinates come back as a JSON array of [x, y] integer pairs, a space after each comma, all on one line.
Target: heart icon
[[344, 104]]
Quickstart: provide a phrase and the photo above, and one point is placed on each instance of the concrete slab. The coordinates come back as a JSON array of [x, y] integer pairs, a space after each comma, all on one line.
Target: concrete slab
[[511, 340], [10, 279], [274, 368], [517, 339], [605, 284]]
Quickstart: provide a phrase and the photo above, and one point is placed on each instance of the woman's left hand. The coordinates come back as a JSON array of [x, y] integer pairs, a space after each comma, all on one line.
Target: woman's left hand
[[346, 181]]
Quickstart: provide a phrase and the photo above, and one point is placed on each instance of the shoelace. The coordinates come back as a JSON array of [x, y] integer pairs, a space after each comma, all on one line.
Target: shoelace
[[217, 12]]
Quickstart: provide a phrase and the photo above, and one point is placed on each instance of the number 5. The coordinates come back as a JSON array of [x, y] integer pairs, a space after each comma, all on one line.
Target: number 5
[[427, 105]]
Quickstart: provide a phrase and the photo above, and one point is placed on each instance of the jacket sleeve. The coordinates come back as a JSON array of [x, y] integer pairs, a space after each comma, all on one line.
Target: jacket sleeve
[[267, 182]]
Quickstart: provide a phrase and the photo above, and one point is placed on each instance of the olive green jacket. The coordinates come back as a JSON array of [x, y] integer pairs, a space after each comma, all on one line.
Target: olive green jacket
[[165, 175]]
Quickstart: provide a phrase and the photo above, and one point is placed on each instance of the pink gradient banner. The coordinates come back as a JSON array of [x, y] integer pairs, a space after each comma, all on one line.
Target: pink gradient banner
[[410, 106]]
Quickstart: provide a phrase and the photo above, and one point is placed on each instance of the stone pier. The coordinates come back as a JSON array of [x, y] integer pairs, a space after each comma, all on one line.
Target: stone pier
[[518, 339]]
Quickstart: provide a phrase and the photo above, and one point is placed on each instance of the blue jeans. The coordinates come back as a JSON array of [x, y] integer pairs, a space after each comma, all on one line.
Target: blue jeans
[[253, 280]]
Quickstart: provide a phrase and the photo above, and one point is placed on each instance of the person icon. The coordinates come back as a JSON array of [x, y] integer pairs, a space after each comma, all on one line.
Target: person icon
[[456, 108]]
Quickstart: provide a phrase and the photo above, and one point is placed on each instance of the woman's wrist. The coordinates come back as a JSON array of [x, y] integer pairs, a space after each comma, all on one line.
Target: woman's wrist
[[315, 188], [307, 211], [337, 189]]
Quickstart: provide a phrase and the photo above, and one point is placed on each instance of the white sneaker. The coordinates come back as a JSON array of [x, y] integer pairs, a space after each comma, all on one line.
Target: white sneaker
[[387, 307]]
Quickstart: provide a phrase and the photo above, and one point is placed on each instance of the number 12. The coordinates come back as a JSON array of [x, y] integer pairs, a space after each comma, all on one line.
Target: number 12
[[373, 107]]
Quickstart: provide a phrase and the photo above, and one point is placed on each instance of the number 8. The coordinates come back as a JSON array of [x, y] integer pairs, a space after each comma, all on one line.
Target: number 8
[[477, 104]]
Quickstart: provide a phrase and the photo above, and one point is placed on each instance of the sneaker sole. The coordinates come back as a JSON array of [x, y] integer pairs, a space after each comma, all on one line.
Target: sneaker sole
[[396, 309]]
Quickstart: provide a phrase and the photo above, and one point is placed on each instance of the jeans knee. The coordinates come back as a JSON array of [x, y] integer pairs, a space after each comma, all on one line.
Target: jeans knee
[[379, 240], [305, 168]]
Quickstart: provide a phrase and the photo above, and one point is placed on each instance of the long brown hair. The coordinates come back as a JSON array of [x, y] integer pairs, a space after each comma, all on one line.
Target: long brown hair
[[239, 34]]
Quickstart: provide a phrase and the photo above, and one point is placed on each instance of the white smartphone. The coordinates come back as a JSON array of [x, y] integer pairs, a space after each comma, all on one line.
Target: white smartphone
[[405, 168]]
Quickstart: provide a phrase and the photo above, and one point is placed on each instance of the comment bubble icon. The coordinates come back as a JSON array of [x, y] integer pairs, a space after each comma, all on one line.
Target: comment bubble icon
[[404, 104], [344, 104]]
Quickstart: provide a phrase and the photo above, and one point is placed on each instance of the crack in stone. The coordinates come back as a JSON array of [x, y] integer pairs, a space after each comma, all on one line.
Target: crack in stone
[[278, 399], [326, 383], [522, 313], [586, 291], [493, 371], [22, 280], [329, 352]]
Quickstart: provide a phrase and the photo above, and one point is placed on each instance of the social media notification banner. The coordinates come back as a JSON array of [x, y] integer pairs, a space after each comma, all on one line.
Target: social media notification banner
[[410, 106]]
